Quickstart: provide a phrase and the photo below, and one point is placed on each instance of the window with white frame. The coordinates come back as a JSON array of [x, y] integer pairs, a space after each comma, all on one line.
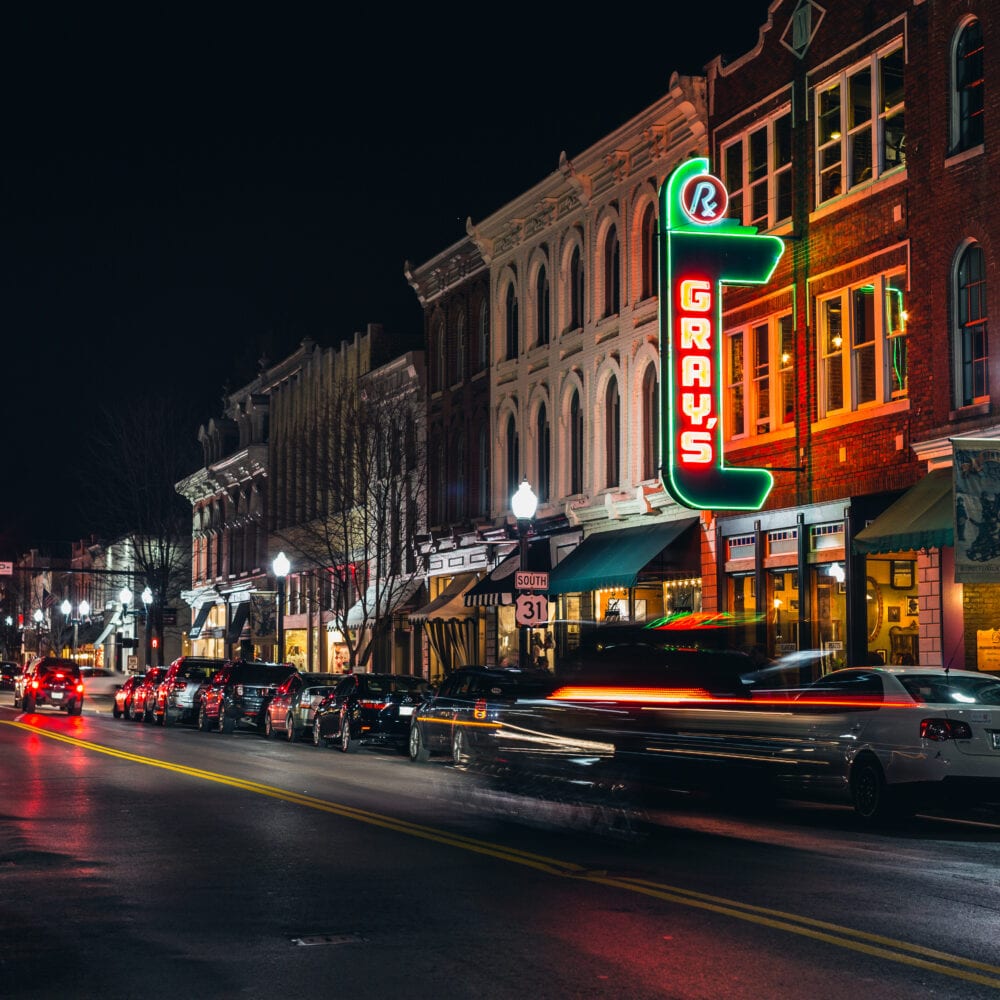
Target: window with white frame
[[757, 169], [862, 344], [759, 377], [967, 90], [860, 123], [971, 341]]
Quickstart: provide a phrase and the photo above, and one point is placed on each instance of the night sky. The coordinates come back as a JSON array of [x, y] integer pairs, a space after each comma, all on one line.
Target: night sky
[[179, 198]]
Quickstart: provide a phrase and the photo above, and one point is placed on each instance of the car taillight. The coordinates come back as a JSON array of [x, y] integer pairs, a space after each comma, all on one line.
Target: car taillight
[[479, 709], [944, 729], [34, 684], [377, 705], [79, 688], [179, 685]]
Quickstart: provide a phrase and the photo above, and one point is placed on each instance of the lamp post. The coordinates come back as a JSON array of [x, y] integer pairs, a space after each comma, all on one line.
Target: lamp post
[[39, 617], [147, 600], [125, 597], [281, 566], [523, 503], [82, 611]]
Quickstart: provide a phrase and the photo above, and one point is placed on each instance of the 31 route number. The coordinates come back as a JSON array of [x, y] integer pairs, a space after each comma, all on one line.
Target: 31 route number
[[531, 609]]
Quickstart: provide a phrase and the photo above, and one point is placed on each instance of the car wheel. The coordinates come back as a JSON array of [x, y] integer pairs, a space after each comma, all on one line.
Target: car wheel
[[268, 728], [202, 719], [116, 711], [872, 800], [165, 719], [29, 703], [317, 734], [459, 747], [289, 727], [345, 733], [226, 724], [76, 708], [418, 752]]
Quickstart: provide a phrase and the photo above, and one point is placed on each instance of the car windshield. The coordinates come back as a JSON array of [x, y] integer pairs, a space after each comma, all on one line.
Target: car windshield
[[262, 673], [392, 685], [952, 689], [66, 670], [194, 671]]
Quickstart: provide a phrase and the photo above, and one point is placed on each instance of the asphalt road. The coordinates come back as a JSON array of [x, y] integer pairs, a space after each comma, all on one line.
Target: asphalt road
[[138, 861]]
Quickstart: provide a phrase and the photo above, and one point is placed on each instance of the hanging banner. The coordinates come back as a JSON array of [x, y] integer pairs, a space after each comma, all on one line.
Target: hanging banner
[[263, 624], [976, 465]]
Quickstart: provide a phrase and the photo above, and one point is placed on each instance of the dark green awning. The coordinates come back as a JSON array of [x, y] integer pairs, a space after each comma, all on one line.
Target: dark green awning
[[922, 518], [615, 558]]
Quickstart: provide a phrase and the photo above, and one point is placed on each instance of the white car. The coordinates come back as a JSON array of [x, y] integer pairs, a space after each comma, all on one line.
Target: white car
[[888, 740], [101, 683]]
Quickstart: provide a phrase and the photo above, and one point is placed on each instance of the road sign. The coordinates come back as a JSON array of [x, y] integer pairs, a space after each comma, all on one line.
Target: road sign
[[527, 580], [6, 569], [531, 609]]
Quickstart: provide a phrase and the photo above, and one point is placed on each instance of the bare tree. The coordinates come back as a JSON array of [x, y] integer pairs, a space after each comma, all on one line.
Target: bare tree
[[361, 473], [140, 449]]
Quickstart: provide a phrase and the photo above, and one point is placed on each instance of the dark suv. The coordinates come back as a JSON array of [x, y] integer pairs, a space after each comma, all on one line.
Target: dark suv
[[49, 680], [239, 693], [176, 693], [471, 705]]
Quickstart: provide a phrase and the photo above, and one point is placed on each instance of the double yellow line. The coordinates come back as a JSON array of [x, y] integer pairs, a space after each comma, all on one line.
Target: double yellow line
[[875, 945]]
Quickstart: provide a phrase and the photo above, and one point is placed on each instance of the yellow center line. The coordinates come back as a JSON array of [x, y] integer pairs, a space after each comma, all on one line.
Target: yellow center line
[[876, 945]]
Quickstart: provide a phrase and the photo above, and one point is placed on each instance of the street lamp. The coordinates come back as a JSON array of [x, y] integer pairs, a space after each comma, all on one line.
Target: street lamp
[[39, 617], [281, 566], [83, 611], [523, 503], [147, 600]]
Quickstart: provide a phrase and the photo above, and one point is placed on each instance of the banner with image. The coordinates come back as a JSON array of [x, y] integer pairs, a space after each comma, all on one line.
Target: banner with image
[[976, 468]]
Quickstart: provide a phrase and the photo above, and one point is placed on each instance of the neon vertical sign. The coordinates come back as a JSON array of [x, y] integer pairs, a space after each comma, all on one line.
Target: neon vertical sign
[[701, 250]]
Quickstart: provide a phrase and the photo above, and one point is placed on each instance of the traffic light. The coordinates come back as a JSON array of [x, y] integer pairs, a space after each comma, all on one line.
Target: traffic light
[[155, 642]]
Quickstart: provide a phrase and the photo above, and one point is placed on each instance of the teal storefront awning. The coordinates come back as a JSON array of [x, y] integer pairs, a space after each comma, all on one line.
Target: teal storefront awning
[[615, 558], [922, 518]]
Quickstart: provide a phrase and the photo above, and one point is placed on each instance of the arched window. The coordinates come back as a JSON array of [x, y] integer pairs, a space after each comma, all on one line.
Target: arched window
[[510, 316], [575, 290], [460, 348], [575, 444], [612, 275], [440, 357], [650, 423], [513, 459], [967, 97], [647, 249], [612, 433], [484, 335], [542, 437], [483, 467], [542, 307], [971, 340]]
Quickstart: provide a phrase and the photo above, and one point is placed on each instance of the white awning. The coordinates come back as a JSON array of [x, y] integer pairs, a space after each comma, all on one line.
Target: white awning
[[395, 596]]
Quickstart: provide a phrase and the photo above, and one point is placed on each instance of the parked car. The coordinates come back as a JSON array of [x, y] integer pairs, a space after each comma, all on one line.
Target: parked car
[[369, 709], [123, 696], [9, 672], [50, 680], [462, 717], [290, 712], [177, 695], [239, 693], [144, 695], [99, 682]]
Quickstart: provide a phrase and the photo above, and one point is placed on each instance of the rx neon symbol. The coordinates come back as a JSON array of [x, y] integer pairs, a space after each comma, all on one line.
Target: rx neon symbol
[[704, 199]]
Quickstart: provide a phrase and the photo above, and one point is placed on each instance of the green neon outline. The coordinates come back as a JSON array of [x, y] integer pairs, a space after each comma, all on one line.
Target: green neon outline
[[739, 488]]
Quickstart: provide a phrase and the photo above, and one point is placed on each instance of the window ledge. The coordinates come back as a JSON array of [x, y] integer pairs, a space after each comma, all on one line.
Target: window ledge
[[954, 159], [968, 412]]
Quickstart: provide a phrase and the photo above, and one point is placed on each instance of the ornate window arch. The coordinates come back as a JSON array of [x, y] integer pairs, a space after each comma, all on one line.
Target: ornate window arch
[[510, 318], [967, 87], [611, 268], [650, 396], [971, 340], [612, 433]]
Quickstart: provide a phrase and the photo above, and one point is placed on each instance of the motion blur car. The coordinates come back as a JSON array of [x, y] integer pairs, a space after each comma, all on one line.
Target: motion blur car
[[9, 672], [463, 717], [123, 696], [144, 695], [238, 694], [99, 682], [177, 694], [50, 680], [369, 710], [290, 712], [887, 740]]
